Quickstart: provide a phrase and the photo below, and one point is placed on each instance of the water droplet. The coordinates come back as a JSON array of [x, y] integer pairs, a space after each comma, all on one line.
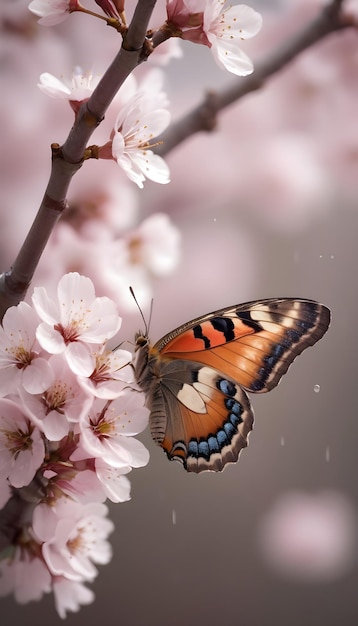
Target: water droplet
[[328, 454], [321, 256], [282, 441], [317, 388], [174, 517], [332, 257], [214, 220]]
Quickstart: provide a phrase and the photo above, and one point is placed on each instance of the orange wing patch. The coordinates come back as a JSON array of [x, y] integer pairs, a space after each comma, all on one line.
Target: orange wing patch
[[207, 335]]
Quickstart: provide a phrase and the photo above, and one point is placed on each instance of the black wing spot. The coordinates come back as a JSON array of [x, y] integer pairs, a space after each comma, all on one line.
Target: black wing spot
[[224, 325], [198, 334], [245, 317]]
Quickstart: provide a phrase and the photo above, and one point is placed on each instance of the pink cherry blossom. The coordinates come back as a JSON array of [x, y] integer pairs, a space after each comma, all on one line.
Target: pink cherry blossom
[[111, 374], [115, 484], [24, 575], [153, 249], [225, 28], [74, 537], [82, 485], [22, 449], [61, 405], [77, 320], [155, 244], [77, 91], [70, 595], [220, 27], [137, 124], [108, 428], [20, 360], [53, 11]]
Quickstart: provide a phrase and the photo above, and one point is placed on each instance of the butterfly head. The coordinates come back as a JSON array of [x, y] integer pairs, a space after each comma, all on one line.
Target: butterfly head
[[141, 340]]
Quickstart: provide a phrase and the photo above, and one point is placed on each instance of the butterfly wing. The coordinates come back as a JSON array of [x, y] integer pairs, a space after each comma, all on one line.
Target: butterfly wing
[[253, 343], [195, 376], [199, 417]]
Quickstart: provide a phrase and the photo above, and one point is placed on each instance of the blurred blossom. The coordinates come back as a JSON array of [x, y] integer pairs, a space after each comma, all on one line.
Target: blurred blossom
[[53, 12], [70, 595], [24, 575], [76, 92], [310, 537], [151, 250]]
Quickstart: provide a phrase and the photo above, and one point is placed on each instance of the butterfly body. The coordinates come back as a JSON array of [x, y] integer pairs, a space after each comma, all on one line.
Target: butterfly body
[[195, 378]]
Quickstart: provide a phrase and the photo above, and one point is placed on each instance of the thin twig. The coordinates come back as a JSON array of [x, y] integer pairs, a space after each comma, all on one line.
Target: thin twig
[[204, 116]]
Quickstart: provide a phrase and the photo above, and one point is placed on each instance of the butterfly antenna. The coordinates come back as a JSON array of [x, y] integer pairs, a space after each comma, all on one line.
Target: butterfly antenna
[[146, 326]]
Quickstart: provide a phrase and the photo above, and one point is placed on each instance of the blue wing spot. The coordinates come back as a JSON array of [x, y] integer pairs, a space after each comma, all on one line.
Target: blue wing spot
[[226, 386], [234, 406], [229, 430], [213, 444], [222, 438], [270, 361], [193, 448], [278, 351], [235, 419], [204, 450]]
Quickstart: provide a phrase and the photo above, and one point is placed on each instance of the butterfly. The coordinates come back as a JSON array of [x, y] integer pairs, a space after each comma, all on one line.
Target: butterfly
[[196, 377]]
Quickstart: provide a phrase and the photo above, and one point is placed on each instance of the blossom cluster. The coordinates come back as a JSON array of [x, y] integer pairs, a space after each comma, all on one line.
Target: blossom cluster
[[212, 23], [142, 116], [69, 410]]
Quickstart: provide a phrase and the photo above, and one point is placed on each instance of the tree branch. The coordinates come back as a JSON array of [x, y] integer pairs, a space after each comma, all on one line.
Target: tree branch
[[67, 160], [204, 116]]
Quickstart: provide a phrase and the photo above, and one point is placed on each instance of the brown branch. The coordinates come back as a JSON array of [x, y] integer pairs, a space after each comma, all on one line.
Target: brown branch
[[67, 160], [204, 116]]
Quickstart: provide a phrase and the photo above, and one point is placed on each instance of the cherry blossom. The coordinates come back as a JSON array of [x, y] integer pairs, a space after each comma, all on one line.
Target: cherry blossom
[[53, 12], [78, 91], [115, 484], [70, 595], [24, 575], [61, 405], [136, 125], [82, 485], [108, 428], [22, 449], [151, 250], [77, 320], [155, 244], [20, 360], [74, 537], [111, 374], [218, 26]]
